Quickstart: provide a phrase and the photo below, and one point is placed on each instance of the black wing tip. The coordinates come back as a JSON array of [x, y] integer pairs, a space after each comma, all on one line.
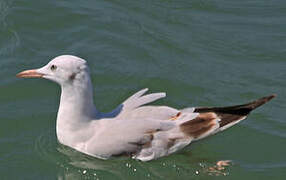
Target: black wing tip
[[268, 98], [242, 109], [262, 101], [271, 96]]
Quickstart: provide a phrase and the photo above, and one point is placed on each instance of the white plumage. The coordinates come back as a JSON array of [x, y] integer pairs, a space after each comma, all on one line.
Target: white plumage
[[145, 132]]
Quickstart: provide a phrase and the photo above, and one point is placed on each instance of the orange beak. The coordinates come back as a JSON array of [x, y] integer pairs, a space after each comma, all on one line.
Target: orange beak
[[29, 74]]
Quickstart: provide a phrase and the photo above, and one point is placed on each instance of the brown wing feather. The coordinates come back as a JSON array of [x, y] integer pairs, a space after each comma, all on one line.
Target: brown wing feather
[[209, 117], [234, 113], [200, 125]]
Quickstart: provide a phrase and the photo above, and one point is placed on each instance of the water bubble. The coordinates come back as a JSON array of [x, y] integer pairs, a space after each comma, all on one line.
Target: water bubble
[[128, 165]]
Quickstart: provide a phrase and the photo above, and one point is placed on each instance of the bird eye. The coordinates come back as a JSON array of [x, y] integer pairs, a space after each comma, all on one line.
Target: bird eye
[[53, 67]]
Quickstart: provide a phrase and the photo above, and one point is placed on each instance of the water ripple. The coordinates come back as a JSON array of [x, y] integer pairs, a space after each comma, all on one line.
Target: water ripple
[[75, 165], [10, 39]]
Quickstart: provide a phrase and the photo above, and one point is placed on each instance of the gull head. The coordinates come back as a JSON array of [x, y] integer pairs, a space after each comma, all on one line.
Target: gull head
[[64, 70]]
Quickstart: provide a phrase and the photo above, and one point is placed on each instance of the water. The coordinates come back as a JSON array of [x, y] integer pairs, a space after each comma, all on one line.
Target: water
[[201, 52]]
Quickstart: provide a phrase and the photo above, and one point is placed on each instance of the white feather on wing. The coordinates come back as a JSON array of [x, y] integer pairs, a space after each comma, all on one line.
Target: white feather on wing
[[138, 99], [134, 102]]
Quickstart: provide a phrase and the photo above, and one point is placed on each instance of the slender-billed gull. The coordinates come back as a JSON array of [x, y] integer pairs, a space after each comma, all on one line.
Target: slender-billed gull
[[142, 131]]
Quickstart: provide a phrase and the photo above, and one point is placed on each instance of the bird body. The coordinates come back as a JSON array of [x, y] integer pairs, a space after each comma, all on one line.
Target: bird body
[[134, 128]]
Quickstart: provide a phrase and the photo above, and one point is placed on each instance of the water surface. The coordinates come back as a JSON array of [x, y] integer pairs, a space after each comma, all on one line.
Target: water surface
[[201, 52]]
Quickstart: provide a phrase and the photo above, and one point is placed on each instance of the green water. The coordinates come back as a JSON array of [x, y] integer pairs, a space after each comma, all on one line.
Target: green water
[[201, 52]]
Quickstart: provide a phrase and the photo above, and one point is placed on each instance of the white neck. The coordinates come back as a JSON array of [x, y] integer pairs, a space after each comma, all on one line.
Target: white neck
[[75, 111]]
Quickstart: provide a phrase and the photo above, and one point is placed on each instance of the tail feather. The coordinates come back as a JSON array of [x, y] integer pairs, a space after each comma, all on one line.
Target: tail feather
[[214, 119], [243, 109], [234, 113]]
